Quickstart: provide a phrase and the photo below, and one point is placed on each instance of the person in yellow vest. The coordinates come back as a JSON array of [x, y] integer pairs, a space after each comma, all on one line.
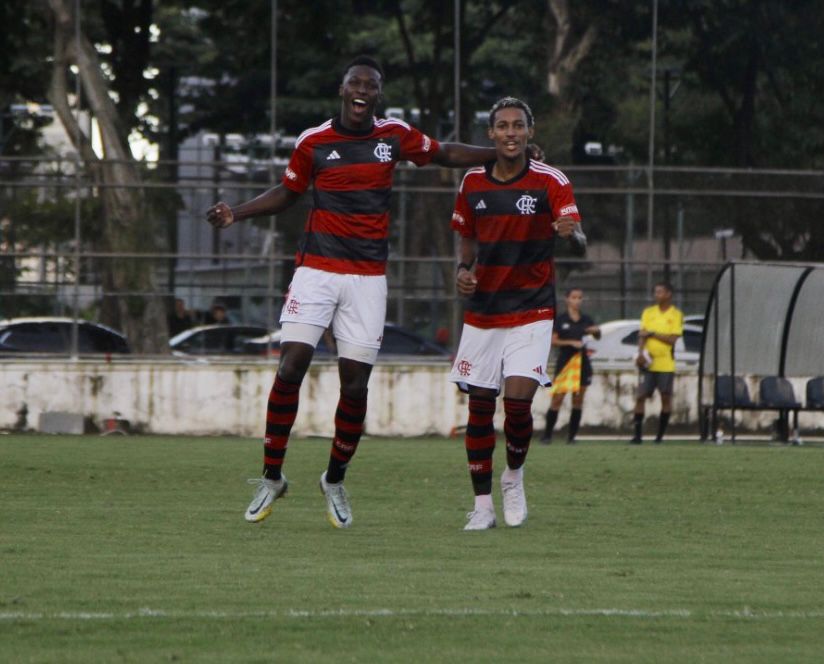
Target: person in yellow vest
[[661, 326]]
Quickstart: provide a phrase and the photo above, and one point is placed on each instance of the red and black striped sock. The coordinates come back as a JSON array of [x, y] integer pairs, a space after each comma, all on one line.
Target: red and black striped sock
[[480, 443], [280, 416], [349, 419], [518, 430]]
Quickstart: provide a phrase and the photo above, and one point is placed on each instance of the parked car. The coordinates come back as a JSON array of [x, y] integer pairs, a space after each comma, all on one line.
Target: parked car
[[54, 335], [215, 340], [694, 319], [618, 345], [397, 343]]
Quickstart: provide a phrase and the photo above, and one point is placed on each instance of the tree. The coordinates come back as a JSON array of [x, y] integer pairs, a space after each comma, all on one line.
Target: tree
[[125, 229], [570, 47]]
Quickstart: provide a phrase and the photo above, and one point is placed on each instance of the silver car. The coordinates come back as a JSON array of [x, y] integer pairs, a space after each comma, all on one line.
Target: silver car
[[618, 345]]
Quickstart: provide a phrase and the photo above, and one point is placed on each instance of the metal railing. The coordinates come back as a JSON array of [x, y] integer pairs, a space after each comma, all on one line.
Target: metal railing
[[45, 270]]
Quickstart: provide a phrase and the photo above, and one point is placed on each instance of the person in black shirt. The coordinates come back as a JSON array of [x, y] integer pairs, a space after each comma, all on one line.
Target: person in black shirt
[[217, 314], [180, 319], [567, 335]]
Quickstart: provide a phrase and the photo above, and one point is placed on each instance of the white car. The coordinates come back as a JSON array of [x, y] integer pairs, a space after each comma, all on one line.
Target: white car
[[618, 345]]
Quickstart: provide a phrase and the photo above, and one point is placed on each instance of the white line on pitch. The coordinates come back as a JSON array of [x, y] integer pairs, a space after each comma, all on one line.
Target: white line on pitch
[[745, 613]]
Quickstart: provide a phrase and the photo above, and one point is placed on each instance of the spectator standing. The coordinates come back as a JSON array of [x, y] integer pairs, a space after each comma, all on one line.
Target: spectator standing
[[661, 326], [217, 314], [573, 370], [180, 319]]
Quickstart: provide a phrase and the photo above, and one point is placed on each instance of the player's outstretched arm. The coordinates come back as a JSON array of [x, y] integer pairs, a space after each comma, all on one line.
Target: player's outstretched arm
[[461, 155], [272, 201]]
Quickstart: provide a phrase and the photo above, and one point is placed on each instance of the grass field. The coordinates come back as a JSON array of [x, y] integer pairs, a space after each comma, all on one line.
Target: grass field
[[134, 549]]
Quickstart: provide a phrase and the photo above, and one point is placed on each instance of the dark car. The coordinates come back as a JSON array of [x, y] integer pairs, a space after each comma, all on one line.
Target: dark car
[[397, 342], [54, 335], [215, 340]]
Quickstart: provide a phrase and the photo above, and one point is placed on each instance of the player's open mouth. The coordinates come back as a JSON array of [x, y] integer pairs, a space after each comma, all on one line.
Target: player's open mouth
[[359, 104]]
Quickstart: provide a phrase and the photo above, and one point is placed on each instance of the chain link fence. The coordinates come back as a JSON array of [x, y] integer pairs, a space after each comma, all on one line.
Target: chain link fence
[[56, 257]]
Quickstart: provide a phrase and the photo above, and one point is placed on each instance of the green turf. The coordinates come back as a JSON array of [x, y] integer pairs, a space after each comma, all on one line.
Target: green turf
[[134, 549]]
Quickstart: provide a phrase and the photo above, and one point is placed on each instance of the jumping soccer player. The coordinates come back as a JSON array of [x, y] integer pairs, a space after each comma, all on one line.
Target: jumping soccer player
[[340, 267], [570, 329], [507, 213]]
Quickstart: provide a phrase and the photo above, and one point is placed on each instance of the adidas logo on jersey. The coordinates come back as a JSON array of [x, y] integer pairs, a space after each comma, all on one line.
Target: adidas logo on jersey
[[481, 205], [333, 155]]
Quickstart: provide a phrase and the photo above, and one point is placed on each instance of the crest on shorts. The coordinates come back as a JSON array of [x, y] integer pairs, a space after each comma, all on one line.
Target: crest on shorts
[[464, 368]]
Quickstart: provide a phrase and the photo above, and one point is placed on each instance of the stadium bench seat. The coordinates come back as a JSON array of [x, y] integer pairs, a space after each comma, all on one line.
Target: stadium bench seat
[[777, 392], [732, 391], [815, 394]]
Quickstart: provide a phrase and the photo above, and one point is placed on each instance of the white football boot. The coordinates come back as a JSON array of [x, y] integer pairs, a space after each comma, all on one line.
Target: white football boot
[[267, 492], [514, 497], [480, 519], [338, 510]]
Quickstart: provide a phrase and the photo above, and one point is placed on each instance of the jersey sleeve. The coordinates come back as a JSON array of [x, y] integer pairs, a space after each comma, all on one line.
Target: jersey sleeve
[[417, 147], [463, 220], [562, 198], [298, 173], [645, 319]]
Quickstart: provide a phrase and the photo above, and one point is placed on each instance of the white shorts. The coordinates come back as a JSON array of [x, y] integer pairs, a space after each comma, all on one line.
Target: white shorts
[[353, 304], [488, 356]]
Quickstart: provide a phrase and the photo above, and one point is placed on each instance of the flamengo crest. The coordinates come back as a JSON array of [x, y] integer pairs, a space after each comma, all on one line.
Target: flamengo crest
[[526, 204], [383, 152]]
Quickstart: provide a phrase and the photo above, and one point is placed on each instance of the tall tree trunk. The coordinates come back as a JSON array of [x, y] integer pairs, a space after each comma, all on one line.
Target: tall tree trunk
[[567, 52], [126, 228]]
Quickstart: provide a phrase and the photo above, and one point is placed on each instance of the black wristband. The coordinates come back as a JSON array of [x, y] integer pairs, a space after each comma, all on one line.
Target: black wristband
[[465, 266]]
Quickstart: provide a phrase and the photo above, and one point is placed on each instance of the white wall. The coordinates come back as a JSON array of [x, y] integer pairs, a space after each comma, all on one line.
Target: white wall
[[169, 397]]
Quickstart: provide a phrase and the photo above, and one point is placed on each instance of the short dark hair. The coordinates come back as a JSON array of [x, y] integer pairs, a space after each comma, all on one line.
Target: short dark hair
[[511, 102], [571, 289], [366, 61], [667, 285]]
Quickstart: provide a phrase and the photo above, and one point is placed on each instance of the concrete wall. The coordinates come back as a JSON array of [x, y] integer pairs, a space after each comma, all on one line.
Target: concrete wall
[[172, 397]]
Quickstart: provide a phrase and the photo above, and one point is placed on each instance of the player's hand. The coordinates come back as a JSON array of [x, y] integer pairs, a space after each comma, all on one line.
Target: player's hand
[[220, 215], [577, 344], [466, 282], [640, 361], [564, 226], [534, 151]]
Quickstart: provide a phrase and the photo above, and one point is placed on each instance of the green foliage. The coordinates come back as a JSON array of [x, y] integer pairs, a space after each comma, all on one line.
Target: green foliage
[[744, 73], [136, 549], [49, 221]]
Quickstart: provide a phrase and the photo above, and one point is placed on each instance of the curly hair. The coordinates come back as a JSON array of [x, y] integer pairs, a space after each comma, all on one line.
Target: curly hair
[[511, 102]]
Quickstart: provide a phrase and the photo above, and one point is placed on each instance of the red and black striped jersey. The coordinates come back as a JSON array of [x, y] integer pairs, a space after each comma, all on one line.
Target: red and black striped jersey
[[512, 224], [347, 230]]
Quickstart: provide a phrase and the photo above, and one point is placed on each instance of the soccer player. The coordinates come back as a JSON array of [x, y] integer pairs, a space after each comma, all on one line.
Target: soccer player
[[661, 325], [507, 214], [573, 371], [340, 267]]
